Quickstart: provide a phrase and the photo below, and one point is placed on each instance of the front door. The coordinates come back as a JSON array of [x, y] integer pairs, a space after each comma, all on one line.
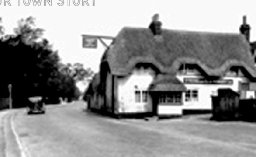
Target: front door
[[155, 102]]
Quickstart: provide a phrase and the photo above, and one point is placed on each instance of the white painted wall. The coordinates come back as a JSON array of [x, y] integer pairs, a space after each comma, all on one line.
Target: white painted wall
[[169, 109], [140, 78], [205, 91]]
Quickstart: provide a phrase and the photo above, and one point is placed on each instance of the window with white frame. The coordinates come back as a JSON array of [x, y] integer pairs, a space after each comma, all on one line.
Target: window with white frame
[[137, 96], [144, 96], [170, 98], [191, 95], [141, 96]]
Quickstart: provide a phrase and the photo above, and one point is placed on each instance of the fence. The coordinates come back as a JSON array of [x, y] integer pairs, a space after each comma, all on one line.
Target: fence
[[228, 106], [225, 106], [247, 108]]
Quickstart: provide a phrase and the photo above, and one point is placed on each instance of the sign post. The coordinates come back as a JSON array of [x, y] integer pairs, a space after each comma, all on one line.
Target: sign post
[[10, 96]]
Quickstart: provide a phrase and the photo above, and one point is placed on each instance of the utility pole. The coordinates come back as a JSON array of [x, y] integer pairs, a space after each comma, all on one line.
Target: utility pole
[[10, 96]]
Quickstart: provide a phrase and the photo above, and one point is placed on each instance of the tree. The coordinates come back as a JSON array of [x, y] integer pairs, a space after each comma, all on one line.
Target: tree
[[27, 31], [31, 66], [1, 28], [77, 71], [78, 74]]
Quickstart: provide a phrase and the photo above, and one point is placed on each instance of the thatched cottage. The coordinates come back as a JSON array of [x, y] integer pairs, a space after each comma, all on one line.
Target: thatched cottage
[[165, 72]]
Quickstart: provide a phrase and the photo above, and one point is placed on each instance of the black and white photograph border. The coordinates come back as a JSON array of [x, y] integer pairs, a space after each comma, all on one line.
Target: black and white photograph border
[[127, 78]]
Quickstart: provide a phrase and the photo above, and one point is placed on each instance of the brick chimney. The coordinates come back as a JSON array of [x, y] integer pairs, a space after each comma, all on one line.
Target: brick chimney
[[156, 26], [245, 29]]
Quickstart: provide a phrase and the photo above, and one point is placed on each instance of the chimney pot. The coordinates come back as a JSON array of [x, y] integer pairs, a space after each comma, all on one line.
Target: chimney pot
[[244, 20], [245, 29], [156, 26]]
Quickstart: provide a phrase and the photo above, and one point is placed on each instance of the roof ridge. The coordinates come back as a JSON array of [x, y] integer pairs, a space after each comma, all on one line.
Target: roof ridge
[[185, 31]]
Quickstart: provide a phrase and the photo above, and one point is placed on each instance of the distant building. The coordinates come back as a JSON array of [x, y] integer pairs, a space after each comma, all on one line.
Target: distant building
[[163, 72]]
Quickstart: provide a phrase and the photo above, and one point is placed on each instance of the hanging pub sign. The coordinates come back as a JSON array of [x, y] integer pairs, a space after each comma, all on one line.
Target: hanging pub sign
[[89, 41], [205, 81]]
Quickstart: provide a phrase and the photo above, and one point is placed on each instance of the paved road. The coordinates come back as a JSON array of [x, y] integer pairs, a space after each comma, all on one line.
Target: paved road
[[68, 131]]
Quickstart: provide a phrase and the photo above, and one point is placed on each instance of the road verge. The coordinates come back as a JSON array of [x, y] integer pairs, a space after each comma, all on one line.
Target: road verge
[[13, 144]]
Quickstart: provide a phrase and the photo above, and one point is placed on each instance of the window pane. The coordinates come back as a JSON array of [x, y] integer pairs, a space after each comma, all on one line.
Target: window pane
[[187, 95], [178, 98], [161, 99], [191, 95], [144, 96], [137, 96], [168, 98], [195, 94]]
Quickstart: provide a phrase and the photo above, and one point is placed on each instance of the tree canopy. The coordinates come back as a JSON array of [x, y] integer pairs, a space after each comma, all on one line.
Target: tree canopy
[[32, 67]]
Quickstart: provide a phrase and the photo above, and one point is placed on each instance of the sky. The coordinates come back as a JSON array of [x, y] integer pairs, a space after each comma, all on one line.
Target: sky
[[65, 21]]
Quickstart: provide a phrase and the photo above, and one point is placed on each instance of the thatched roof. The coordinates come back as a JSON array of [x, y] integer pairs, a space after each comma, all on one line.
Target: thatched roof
[[166, 83], [164, 87], [213, 52]]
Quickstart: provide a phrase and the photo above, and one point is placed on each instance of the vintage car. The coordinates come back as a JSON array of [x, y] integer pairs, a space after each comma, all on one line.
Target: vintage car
[[35, 105]]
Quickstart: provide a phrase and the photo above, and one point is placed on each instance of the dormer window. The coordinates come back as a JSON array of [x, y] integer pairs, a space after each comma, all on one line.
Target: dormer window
[[234, 71], [188, 69]]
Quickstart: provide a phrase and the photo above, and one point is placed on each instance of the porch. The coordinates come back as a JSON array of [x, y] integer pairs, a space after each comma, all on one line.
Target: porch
[[167, 98]]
